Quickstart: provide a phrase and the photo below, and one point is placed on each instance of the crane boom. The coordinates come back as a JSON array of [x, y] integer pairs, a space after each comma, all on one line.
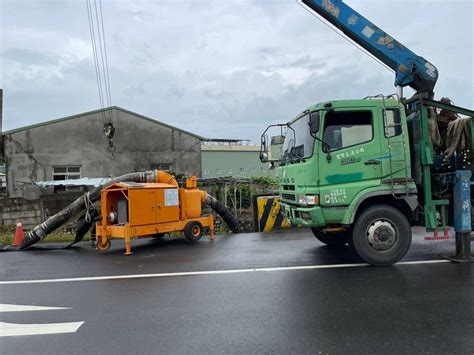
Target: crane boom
[[411, 69]]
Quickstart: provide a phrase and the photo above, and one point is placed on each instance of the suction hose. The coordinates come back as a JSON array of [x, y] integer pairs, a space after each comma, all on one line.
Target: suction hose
[[226, 215], [85, 202]]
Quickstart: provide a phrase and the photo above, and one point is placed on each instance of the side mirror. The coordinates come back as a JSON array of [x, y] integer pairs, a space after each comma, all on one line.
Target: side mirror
[[313, 123], [263, 149]]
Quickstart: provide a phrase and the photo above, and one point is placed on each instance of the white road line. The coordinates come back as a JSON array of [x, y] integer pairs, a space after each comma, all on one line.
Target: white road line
[[210, 272], [12, 329], [22, 308]]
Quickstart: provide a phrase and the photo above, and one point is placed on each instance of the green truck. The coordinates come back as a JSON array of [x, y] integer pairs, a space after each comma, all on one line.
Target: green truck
[[365, 171]]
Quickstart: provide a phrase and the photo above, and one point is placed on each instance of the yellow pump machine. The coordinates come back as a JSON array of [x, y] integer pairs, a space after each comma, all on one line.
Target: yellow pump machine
[[137, 210]]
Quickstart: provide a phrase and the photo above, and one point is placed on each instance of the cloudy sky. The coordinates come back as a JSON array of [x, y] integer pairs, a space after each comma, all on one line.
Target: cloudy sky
[[222, 69]]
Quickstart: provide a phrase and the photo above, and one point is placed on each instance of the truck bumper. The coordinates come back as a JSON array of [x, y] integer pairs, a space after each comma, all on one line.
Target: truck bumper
[[304, 216]]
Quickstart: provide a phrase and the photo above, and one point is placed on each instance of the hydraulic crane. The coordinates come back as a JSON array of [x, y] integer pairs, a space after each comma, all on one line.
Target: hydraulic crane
[[411, 69]]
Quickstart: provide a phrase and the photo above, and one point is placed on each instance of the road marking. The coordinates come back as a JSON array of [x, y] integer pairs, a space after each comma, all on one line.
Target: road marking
[[210, 272], [21, 308], [12, 329]]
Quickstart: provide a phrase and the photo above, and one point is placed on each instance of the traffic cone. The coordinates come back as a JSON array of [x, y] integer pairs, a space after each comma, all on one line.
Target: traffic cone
[[19, 234]]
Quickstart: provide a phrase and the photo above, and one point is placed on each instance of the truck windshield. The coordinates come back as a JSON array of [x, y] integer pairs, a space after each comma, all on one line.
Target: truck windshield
[[298, 141]]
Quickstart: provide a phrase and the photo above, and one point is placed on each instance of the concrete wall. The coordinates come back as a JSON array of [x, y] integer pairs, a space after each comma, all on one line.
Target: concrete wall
[[28, 211], [33, 212], [31, 154], [218, 161]]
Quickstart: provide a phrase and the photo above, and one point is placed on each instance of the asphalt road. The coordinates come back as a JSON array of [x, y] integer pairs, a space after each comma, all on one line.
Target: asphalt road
[[413, 307]]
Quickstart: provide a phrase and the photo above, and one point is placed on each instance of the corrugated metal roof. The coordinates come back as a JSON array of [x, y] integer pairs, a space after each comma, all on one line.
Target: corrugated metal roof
[[97, 111], [230, 148]]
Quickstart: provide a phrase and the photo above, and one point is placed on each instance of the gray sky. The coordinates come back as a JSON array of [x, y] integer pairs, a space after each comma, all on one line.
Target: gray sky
[[222, 69]]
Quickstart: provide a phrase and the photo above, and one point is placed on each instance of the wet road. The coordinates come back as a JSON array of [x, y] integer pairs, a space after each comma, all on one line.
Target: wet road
[[411, 307]]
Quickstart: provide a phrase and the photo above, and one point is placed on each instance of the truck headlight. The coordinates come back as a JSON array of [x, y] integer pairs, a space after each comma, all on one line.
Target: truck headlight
[[308, 200]]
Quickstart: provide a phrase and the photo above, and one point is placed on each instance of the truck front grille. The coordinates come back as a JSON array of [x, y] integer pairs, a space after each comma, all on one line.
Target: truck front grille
[[289, 197]]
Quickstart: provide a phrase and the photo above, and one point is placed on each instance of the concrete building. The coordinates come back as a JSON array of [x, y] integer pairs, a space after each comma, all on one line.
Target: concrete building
[[232, 158], [75, 146]]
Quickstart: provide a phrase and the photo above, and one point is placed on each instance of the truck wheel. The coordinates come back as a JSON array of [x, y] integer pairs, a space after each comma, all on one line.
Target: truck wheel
[[193, 231], [331, 239], [382, 235]]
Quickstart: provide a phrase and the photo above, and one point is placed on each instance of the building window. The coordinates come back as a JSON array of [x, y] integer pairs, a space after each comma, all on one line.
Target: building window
[[205, 172], [219, 171], [263, 169], [161, 166], [242, 170], [66, 173], [231, 171], [253, 170]]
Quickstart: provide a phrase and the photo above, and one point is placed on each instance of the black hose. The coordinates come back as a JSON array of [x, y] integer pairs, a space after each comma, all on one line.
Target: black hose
[[226, 215], [42, 230]]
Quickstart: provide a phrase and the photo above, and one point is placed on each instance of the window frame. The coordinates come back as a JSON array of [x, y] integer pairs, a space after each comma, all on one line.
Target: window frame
[[66, 174], [347, 111], [157, 166], [307, 115], [395, 128]]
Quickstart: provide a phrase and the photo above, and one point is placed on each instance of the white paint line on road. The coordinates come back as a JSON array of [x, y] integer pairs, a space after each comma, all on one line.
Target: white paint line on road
[[22, 308], [210, 272], [12, 329]]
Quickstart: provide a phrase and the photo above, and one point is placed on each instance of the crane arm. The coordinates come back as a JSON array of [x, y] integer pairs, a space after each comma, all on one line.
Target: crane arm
[[411, 69]]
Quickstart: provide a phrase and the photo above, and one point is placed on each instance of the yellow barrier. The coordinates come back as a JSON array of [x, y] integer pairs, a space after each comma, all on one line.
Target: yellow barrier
[[269, 216]]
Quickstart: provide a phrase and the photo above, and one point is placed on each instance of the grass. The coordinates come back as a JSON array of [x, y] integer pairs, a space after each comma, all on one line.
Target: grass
[[7, 233]]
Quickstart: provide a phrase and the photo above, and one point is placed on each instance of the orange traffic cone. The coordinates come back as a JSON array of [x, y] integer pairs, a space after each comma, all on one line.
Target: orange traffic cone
[[19, 234]]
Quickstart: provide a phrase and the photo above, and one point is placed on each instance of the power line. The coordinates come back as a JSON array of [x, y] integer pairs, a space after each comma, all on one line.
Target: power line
[[343, 36], [105, 54], [96, 60], [102, 57], [101, 64]]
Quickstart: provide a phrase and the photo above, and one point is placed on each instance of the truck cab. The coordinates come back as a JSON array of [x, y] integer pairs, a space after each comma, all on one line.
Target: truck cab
[[343, 158]]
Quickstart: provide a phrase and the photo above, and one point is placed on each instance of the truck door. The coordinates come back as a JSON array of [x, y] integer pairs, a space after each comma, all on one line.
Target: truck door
[[352, 164]]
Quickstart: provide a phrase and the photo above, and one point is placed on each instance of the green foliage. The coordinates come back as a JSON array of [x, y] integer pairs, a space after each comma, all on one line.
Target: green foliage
[[264, 180]]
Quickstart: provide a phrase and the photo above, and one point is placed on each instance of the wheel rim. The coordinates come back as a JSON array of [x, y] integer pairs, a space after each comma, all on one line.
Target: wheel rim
[[382, 235], [196, 230]]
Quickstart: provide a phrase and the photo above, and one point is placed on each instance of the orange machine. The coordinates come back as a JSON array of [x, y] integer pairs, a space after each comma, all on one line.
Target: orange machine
[[136, 210]]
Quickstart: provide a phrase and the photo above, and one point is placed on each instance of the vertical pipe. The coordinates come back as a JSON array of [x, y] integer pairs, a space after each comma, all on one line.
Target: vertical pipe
[[235, 199], [427, 160], [462, 215], [225, 194]]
